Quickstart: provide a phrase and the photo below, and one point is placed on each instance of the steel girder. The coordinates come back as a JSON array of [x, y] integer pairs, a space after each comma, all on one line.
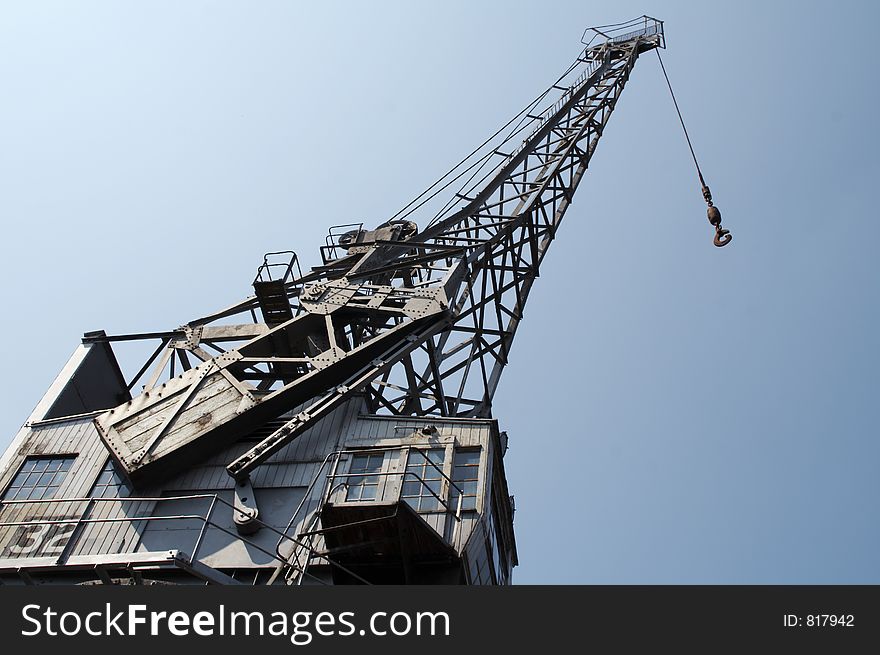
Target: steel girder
[[506, 230], [421, 323]]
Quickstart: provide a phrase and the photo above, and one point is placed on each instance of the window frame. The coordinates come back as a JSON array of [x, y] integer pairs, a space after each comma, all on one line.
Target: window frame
[[477, 470], [116, 483], [378, 475], [437, 469], [55, 482]]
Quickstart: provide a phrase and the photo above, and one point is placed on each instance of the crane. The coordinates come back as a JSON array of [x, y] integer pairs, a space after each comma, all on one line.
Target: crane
[[423, 320], [364, 384]]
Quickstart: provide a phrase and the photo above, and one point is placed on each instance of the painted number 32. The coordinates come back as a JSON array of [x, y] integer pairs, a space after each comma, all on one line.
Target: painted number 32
[[41, 539]]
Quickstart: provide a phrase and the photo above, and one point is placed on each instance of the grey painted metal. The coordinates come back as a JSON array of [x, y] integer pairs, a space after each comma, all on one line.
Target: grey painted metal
[[119, 525], [240, 442], [424, 320]]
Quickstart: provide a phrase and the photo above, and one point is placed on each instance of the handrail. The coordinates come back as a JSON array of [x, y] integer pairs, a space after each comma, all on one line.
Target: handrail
[[402, 474], [95, 500], [437, 468], [611, 34], [331, 241], [619, 32], [206, 521], [327, 480], [267, 266], [406, 448], [86, 518], [305, 497]]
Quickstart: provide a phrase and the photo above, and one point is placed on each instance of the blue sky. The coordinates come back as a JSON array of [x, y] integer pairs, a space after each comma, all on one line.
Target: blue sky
[[677, 413]]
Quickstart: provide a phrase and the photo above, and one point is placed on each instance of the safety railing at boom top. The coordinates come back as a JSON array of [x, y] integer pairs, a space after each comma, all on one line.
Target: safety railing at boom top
[[644, 26]]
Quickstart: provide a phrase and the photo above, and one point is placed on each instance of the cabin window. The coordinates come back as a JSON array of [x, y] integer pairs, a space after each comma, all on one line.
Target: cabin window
[[364, 487], [109, 483], [465, 475], [423, 482], [39, 478]]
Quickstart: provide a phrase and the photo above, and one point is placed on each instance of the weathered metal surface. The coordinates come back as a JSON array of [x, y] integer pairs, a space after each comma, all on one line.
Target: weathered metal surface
[[423, 321], [238, 414], [215, 402], [63, 536]]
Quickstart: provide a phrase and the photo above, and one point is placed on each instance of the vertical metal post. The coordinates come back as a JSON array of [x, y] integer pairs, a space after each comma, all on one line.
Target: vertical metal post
[[457, 519], [204, 529], [329, 481], [75, 533]]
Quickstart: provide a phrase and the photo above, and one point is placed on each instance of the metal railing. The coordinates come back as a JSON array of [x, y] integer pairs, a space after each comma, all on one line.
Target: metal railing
[[640, 27], [334, 242], [403, 475], [79, 541], [643, 26], [592, 58], [86, 518], [283, 268], [540, 119], [305, 540]]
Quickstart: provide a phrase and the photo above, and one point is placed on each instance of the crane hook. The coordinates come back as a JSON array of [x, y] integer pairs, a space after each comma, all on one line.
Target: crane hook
[[722, 236]]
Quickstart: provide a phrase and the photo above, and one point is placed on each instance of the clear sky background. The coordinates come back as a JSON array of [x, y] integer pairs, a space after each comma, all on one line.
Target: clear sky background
[[677, 413]]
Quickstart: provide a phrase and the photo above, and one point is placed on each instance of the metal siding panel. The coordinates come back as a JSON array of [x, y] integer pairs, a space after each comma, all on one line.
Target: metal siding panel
[[96, 536], [220, 479], [437, 522], [96, 458], [289, 474], [293, 466], [465, 529]]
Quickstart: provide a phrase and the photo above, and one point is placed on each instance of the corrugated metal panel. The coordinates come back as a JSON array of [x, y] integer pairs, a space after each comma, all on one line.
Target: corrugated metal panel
[[75, 437], [293, 467]]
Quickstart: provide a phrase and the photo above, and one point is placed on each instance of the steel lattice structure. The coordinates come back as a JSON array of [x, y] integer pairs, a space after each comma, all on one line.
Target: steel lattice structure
[[420, 321]]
